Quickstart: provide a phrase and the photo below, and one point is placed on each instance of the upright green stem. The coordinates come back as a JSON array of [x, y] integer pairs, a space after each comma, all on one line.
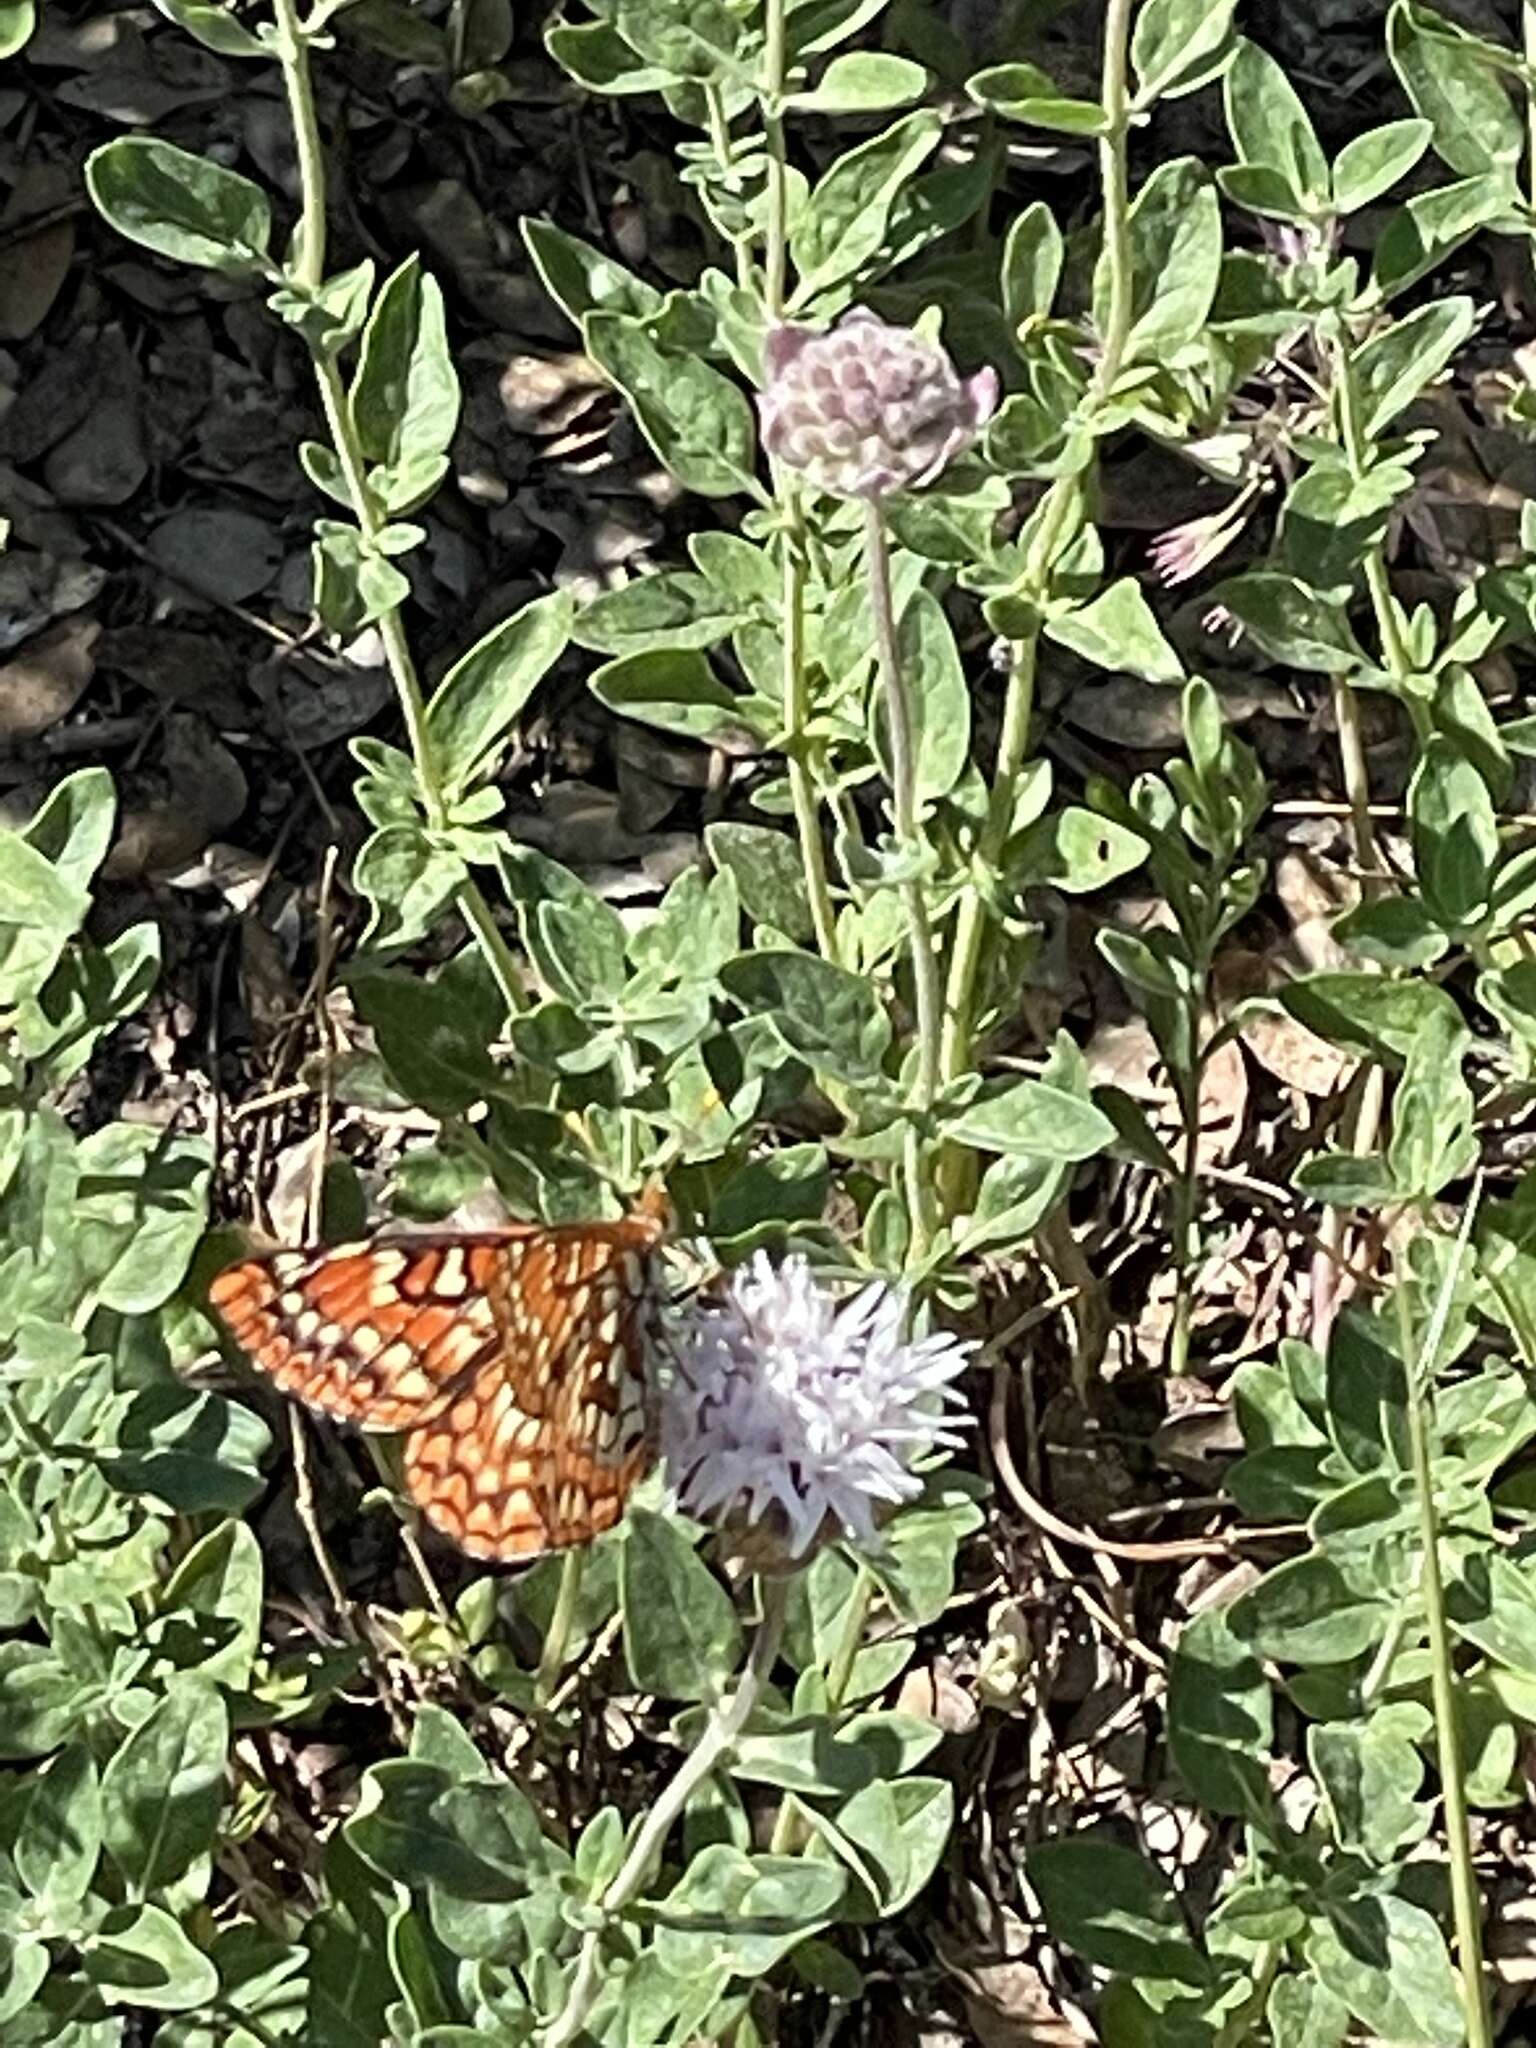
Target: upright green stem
[[796, 696], [775, 236], [558, 1635], [309, 273], [925, 964], [1465, 1908], [797, 712], [713, 1747], [1061, 505], [1365, 1121], [1114, 181]]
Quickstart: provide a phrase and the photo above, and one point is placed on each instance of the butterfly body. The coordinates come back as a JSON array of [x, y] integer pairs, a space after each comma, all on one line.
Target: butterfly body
[[515, 1359]]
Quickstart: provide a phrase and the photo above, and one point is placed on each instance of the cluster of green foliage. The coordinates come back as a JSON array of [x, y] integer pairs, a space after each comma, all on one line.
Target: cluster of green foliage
[[569, 1054]]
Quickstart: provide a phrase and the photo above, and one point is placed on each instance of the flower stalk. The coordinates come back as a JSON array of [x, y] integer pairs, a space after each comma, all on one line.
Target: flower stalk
[[712, 1750], [309, 274], [914, 894], [1059, 511], [1419, 1369]]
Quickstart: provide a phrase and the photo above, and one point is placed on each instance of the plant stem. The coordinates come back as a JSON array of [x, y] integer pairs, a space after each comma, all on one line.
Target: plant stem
[[1114, 182], [1061, 504], [850, 1636], [714, 1745], [309, 272], [558, 1635], [774, 240], [925, 964], [797, 709], [796, 697], [1418, 1368]]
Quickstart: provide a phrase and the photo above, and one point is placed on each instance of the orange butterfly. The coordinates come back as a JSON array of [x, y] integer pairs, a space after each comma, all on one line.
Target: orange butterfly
[[515, 1358]]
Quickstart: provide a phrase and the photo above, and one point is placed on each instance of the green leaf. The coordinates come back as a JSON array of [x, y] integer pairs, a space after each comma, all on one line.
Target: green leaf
[[803, 1757], [58, 1835], [1370, 164], [1348, 1180], [140, 1956], [408, 877], [162, 1789], [1332, 518], [1369, 1775], [1023, 92], [939, 698], [1455, 833], [1396, 365], [1291, 623], [1175, 230], [676, 609], [862, 82], [1456, 89], [731, 1910], [1032, 1119], [1433, 1142], [473, 709], [901, 1829], [1117, 630], [211, 1606], [1113, 1907], [1309, 1611], [770, 880], [431, 1042], [1262, 189], [681, 1636], [140, 1212], [40, 912], [831, 1019], [1177, 46], [597, 56], [677, 693], [688, 38], [18, 18], [579, 278], [1073, 849], [1270, 126], [1397, 931], [197, 1452], [696, 420], [180, 205], [405, 397], [1428, 227], [72, 826], [213, 26], [1385, 1959], [1032, 260], [1367, 1013], [1305, 2014], [1367, 1389], [843, 222], [1220, 1718]]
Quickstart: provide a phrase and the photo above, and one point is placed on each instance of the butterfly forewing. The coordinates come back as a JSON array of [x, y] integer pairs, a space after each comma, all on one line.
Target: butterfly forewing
[[515, 1358]]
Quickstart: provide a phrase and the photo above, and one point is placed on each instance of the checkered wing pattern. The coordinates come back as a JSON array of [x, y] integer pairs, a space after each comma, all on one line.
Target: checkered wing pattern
[[514, 1359]]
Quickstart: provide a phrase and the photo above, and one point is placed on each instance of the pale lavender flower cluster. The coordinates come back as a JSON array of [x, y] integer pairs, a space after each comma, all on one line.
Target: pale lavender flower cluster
[[866, 409], [794, 1416]]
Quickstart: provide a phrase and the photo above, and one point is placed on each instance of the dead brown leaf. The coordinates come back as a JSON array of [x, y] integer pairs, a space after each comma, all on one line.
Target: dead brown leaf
[[46, 679], [35, 264]]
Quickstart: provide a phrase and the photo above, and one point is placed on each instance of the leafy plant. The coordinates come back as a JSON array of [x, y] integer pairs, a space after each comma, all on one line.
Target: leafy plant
[[887, 394]]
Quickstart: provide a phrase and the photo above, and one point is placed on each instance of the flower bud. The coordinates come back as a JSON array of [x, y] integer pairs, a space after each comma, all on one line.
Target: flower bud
[[866, 409]]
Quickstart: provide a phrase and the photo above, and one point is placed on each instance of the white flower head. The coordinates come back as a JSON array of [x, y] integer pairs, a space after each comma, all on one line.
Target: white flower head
[[798, 1415]]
